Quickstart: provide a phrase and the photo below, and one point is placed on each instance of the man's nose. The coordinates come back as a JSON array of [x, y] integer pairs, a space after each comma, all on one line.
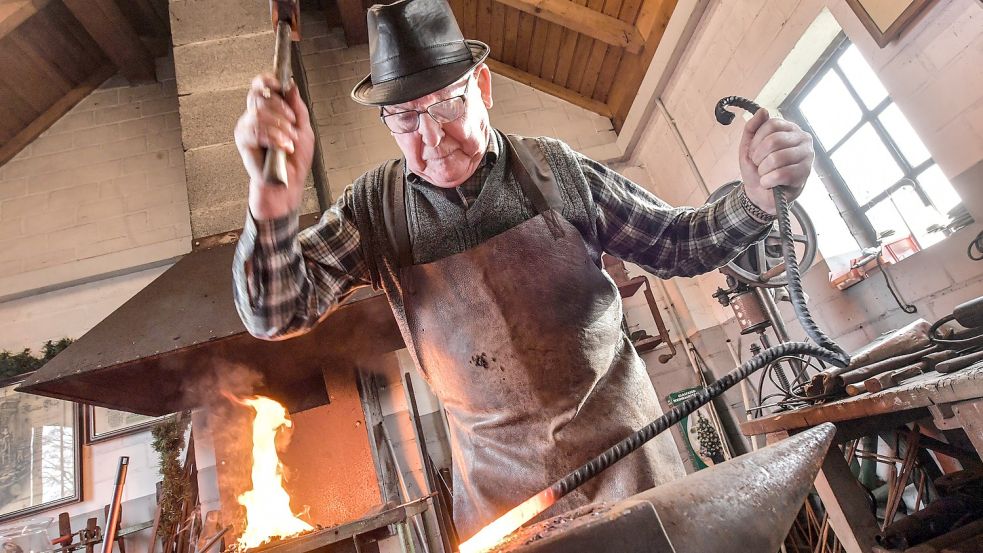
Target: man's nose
[[431, 131]]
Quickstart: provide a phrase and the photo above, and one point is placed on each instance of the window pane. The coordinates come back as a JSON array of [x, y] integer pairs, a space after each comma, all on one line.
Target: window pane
[[904, 135], [862, 78], [830, 109], [938, 189], [834, 237], [866, 165], [884, 217], [918, 216]]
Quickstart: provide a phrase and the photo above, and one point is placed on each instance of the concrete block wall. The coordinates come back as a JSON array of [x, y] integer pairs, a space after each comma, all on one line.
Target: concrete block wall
[[932, 72], [100, 191], [354, 140], [216, 56]]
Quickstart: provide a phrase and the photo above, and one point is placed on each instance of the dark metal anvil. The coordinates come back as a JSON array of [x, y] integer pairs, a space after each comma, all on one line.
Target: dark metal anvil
[[746, 504]]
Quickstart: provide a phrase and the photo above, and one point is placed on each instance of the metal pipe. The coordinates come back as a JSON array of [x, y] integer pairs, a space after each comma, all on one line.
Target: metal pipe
[[745, 391], [112, 518], [682, 144], [777, 323], [448, 533]]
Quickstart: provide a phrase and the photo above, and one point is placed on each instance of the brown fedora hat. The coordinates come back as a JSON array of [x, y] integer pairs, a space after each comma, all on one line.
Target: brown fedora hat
[[415, 48]]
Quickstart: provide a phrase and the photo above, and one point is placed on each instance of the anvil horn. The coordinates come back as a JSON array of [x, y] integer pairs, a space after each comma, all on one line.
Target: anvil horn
[[746, 504]]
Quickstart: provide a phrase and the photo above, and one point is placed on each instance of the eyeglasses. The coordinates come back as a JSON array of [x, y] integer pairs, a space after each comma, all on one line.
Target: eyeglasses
[[442, 112]]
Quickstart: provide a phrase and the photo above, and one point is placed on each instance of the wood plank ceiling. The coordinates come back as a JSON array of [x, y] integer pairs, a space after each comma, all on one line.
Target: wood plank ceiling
[[592, 53], [55, 52]]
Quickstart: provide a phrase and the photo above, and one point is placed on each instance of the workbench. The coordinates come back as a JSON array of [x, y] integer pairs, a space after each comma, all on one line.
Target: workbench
[[949, 400]]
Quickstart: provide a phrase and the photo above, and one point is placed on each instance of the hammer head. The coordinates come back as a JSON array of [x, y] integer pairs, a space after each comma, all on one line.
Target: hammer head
[[286, 11]]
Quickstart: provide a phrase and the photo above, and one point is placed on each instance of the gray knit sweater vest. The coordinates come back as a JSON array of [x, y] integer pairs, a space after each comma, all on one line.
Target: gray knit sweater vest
[[439, 228]]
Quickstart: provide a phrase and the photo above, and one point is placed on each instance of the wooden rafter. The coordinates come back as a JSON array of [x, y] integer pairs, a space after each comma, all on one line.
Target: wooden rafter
[[353, 21], [104, 20], [548, 87], [31, 131], [584, 20], [12, 14]]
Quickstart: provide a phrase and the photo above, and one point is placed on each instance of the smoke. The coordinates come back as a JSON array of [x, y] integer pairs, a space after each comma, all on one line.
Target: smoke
[[222, 428]]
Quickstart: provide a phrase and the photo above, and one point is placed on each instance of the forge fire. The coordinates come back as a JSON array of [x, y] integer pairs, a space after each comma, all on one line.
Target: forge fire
[[268, 514]]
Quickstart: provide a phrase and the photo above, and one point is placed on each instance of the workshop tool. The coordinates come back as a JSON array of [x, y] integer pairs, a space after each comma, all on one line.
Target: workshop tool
[[745, 504], [286, 24], [909, 339], [112, 519], [824, 348], [961, 362], [968, 314], [893, 378], [88, 537]]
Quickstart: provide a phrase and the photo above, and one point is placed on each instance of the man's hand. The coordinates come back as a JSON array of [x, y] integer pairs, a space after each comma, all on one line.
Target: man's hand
[[271, 119], [774, 152]]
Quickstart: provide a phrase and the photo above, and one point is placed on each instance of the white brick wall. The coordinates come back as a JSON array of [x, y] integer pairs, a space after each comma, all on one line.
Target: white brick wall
[[354, 140], [934, 74], [101, 190]]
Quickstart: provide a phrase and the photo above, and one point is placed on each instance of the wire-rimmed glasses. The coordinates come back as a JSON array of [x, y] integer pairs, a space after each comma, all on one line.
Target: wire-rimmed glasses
[[442, 112]]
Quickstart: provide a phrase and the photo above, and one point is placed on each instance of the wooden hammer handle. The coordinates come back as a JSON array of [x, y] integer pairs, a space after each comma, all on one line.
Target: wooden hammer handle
[[275, 163]]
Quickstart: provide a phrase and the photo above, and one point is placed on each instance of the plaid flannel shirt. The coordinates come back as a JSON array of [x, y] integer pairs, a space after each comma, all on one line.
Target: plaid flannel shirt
[[286, 279]]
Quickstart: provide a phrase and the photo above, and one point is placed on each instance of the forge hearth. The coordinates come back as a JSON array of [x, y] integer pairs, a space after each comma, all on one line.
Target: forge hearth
[[361, 535]]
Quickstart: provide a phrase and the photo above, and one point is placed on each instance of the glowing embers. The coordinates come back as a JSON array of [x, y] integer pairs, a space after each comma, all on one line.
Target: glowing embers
[[268, 514]]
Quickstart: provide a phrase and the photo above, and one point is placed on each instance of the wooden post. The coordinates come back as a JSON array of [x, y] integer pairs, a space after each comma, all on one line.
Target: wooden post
[[846, 504]]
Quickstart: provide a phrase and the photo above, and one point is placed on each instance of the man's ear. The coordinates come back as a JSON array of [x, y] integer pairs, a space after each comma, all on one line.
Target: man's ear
[[484, 84]]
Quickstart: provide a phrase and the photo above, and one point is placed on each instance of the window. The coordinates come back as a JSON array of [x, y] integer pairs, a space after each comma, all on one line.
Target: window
[[883, 179]]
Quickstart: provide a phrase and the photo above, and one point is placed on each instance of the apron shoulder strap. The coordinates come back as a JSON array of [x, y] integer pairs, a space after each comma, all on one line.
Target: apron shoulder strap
[[394, 212], [537, 179], [534, 173]]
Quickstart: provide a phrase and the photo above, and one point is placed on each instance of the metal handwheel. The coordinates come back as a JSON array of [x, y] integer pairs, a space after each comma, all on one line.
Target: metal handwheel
[[761, 264]]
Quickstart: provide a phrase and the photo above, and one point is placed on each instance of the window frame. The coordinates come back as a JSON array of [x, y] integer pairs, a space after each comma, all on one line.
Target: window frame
[[853, 213]]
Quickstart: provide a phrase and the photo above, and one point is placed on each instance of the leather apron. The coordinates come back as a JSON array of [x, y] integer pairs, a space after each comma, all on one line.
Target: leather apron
[[520, 337]]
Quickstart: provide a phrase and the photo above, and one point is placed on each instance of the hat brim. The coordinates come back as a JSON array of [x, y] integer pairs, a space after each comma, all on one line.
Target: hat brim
[[411, 87]]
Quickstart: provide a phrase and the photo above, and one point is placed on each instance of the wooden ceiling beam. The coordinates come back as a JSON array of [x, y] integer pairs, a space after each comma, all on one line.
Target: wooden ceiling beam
[[107, 25], [583, 20], [353, 21], [12, 14], [29, 132], [550, 88]]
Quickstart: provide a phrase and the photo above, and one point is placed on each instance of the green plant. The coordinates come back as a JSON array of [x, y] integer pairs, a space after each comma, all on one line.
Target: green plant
[[16, 364], [176, 490]]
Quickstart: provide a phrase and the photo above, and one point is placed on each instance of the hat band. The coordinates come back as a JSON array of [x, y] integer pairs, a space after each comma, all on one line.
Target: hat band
[[408, 63]]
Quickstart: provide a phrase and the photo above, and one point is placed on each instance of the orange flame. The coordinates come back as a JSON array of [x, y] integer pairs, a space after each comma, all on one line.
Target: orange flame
[[268, 513], [491, 535]]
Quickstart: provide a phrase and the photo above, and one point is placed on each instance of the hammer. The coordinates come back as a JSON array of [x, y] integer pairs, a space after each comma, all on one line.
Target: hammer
[[286, 23]]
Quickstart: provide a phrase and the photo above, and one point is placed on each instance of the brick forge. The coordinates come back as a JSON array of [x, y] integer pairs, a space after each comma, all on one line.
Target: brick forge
[[328, 467]]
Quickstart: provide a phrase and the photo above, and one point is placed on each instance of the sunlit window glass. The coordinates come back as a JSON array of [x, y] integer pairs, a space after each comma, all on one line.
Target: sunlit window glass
[[866, 165], [830, 110], [862, 77], [938, 189], [912, 148]]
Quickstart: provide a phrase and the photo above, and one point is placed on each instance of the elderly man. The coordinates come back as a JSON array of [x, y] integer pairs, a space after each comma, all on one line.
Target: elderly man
[[488, 248]]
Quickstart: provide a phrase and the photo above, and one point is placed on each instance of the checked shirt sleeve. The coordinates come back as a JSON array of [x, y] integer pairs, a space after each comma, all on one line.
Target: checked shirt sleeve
[[285, 280], [634, 225]]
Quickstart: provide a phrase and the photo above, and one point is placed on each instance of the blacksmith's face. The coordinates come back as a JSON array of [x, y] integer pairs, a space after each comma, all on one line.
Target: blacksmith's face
[[447, 153]]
